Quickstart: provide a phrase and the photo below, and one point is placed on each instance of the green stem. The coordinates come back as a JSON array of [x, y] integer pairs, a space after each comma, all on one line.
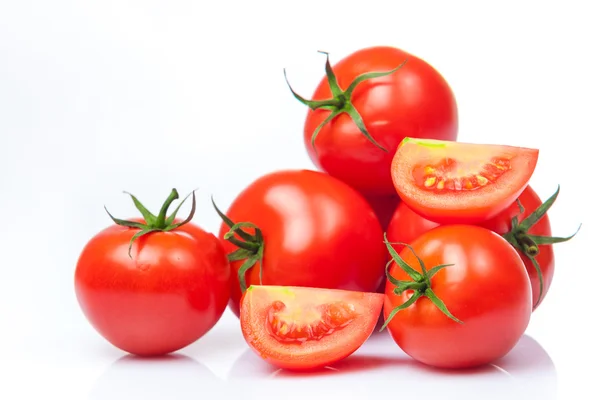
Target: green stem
[[527, 245], [341, 101], [250, 247], [154, 224], [161, 218], [420, 283]]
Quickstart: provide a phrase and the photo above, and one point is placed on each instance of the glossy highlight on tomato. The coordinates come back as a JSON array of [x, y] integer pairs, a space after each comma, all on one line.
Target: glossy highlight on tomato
[[365, 105], [303, 328], [165, 292], [306, 229], [481, 281], [454, 182]]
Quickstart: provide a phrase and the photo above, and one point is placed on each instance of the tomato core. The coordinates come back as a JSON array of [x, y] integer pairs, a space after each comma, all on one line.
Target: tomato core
[[448, 175], [298, 325]]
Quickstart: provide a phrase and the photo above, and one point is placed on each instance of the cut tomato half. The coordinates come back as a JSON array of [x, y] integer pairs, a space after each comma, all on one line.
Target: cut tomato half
[[454, 182], [302, 328]]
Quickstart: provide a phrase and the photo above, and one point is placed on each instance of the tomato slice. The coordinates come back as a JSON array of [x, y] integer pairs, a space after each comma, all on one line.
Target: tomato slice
[[302, 328], [455, 182]]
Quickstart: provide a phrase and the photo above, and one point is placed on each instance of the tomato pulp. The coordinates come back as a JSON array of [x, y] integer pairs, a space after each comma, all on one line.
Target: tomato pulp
[[482, 283], [354, 125], [163, 294], [451, 182], [306, 328], [308, 229]]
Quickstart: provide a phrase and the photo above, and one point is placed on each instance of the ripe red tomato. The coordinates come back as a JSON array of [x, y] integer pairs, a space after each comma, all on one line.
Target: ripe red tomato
[[303, 328], [363, 108], [452, 182], [532, 236], [161, 294], [310, 229], [470, 308], [406, 225]]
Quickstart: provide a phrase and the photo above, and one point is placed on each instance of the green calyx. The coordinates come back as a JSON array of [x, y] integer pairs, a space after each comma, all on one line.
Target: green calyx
[[156, 223], [528, 244], [420, 284], [341, 102], [251, 247]]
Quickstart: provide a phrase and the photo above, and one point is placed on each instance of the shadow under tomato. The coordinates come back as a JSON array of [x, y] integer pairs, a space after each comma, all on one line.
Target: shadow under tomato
[[149, 378]]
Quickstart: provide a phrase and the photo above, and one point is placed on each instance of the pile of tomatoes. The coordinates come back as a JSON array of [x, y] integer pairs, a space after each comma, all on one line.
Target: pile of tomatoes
[[400, 227]]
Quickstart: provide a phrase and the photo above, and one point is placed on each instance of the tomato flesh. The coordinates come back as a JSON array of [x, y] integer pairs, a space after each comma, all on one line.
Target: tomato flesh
[[290, 325], [455, 182], [304, 328]]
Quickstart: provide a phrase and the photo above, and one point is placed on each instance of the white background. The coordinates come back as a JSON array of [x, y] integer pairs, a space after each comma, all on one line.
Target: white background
[[101, 97]]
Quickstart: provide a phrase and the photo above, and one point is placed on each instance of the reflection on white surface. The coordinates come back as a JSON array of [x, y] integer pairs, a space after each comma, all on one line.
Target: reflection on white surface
[[164, 378], [379, 368]]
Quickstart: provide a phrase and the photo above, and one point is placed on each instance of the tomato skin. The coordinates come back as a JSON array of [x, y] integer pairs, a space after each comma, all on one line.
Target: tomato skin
[[318, 232], [501, 224], [171, 292], [487, 288], [415, 101], [310, 354], [406, 225]]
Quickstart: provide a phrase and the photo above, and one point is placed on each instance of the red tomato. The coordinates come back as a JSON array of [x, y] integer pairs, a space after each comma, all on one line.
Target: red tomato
[[451, 182], [312, 230], [304, 328], [483, 289], [532, 235], [161, 295], [364, 122], [406, 225]]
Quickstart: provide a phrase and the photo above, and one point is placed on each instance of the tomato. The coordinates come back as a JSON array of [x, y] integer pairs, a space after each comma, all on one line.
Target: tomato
[[305, 328], [302, 228], [155, 285], [532, 236], [406, 225], [363, 108], [451, 182], [469, 309]]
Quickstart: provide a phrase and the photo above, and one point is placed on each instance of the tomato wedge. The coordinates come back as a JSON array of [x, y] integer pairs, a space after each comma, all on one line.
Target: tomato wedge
[[455, 182], [302, 328]]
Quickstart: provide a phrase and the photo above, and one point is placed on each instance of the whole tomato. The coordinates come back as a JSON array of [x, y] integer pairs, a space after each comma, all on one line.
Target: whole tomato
[[152, 286], [302, 228], [531, 235], [363, 108], [458, 297]]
